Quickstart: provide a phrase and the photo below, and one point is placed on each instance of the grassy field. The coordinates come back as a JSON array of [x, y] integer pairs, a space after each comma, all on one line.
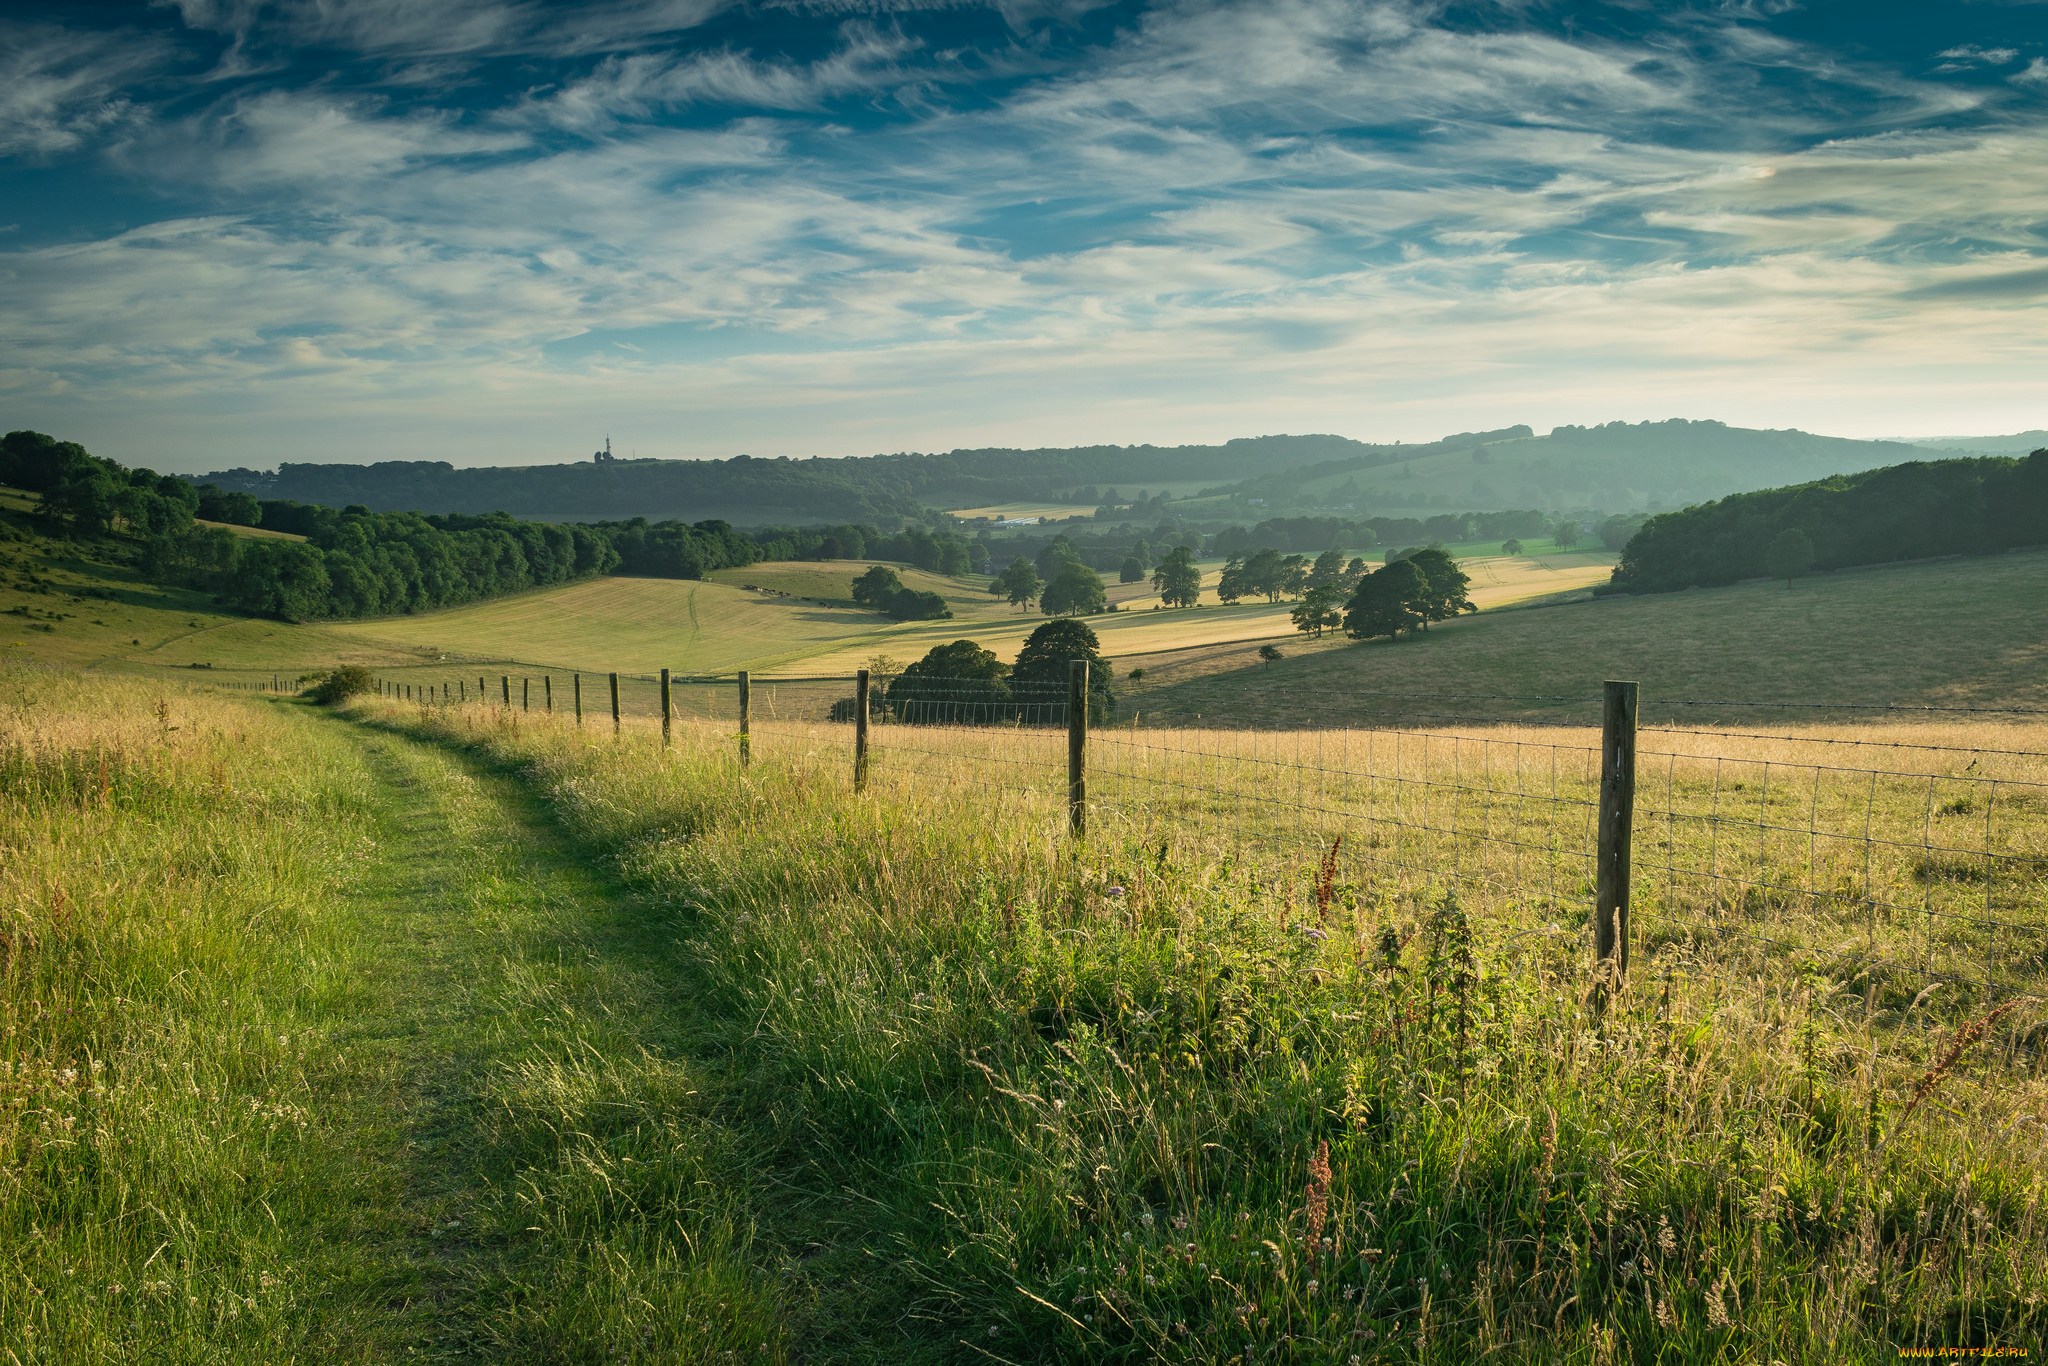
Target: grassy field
[[1955, 632], [464, 1031]]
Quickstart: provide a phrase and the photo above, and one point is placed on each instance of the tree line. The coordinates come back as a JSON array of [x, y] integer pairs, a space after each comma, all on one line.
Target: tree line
[[329, 563], [963, 684], [1901, 512]]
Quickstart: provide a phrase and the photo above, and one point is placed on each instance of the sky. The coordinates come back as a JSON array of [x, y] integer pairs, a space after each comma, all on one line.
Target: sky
[[239, 232]]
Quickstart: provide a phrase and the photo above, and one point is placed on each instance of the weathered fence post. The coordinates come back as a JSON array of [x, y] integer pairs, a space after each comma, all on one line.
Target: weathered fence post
[[526, 694], [462, 690], [547, 686], [1077, 747], [1617, 825], [746, 710], [576, 682], [615, 704], [480, 693], [860, 731], [668, 710]]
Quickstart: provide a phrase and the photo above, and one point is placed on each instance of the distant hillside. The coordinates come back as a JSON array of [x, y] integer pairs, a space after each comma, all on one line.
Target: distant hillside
[[1615, 468], [1906, 512], [2019, 443], [745, 490]]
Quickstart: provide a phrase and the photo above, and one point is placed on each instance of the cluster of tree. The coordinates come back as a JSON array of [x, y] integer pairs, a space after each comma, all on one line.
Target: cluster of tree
[[85, 496], [881, 589], [1405, 594], [1901, 512], [961, 683], [1273, 576], [1056, 579], [350, 562]]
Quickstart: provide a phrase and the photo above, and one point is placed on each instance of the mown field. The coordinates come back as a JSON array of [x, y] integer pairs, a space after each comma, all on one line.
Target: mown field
[[466, 1032], [1949, 633]]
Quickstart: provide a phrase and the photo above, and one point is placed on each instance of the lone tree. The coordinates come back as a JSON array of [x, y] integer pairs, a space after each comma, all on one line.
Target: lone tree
[[1131, 571], [1178, 580], [1019, 583], [1039, 680], [1565, 534], [1789, 555], [876, 587], [1388, 601], [1074, 591], [959, 682], [1269, 653]]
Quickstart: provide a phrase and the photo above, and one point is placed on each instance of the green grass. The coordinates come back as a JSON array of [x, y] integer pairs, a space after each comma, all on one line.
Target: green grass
[[1952, 633], [457, 1031]]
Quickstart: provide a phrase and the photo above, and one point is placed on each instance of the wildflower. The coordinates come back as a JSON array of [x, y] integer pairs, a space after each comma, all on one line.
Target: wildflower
[[1314, 1286], [1181, 1328], [1146, 1218], [1628, 1270], [1150, 1280], [1191, 1249], [993, 1330], [1113, 891], [1180, 1221]]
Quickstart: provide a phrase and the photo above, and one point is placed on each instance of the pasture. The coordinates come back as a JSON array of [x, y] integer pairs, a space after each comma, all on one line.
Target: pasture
[[466, 1031]]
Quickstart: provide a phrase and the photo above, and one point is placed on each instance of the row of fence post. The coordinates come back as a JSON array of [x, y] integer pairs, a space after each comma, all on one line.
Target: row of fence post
[[1616, 800]]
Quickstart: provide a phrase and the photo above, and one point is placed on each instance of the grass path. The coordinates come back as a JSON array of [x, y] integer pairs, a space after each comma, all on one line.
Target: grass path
[[504, 975]]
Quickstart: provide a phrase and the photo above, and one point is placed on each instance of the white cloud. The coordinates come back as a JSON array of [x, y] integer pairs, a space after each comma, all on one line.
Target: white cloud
[[60, 89], [1299, 215]]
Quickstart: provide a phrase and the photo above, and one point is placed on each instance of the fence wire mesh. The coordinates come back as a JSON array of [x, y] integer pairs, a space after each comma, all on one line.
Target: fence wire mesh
[[1894, 859]]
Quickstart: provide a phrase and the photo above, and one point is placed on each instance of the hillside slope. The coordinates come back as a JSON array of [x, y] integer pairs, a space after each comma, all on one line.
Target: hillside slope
[[1949, 633]]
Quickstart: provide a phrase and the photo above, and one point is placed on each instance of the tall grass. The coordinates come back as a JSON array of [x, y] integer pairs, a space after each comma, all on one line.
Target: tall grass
[[1203, 1098], [162, 1159]]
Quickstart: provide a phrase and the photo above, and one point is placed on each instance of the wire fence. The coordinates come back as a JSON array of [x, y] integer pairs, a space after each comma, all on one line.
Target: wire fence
[[1897, 855]]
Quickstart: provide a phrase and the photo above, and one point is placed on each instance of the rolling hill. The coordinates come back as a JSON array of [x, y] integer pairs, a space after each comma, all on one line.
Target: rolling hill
[[1618, 467]]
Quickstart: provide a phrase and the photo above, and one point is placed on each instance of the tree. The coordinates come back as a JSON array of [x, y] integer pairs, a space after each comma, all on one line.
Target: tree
[[1320, 610], [1328, 569], [1565, 534], [1387, 602], [1131, 571], [1039, 681], [876, 587], [1444, 585], [1789, 555], [1178, 580], [915, 604], [954, 556], [1269, 653], [1019, 583], [1142, 553], [1059, 551], [1290, 578], [1511, 546], [960, 682], [1075, 590], [1234, 583]]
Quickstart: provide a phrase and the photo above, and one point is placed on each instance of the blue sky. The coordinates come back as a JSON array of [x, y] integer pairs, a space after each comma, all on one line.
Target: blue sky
[[244, 231]]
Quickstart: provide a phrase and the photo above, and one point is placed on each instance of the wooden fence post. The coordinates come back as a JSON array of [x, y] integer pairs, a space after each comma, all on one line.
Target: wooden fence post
[[505, 686], [1617, 826], [462, 690], [547, 684], [480, 693], [746, 707], [1077, 747], [860, 731], [526, 694], [668, 710], [615, 704], [576, 682]]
